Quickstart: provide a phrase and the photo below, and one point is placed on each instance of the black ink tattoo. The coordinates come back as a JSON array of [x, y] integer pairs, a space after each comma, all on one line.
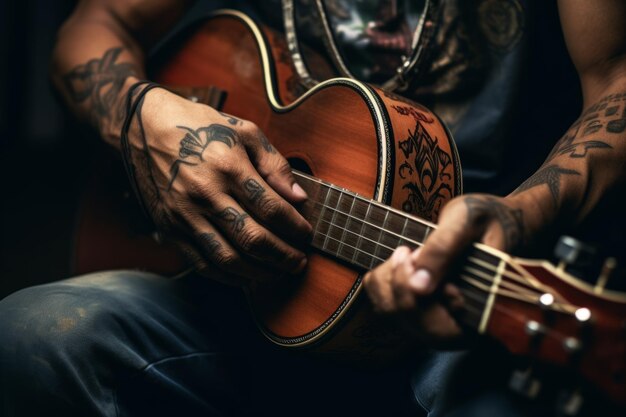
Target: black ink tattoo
[[265, 143], [550, 176], [603, 117], [510, 220], [255, 191], [233, 218], [100, 80], [230, 119], [194, 143], [209, 242]]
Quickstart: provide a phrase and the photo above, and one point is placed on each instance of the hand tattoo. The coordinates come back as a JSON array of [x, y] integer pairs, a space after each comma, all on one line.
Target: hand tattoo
[[233, 218], [510, 220], [209, 242], [195, 142], [255, 191]]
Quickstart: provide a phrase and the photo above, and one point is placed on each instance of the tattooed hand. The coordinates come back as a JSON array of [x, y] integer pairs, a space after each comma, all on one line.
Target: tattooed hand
[[411, 283], [215, 186]]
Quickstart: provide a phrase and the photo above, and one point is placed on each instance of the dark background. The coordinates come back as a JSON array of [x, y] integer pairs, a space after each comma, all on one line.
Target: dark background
[[45, 156]]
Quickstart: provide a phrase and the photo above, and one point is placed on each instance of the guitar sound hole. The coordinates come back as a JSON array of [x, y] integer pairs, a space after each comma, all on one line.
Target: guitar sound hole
[[300, 165]]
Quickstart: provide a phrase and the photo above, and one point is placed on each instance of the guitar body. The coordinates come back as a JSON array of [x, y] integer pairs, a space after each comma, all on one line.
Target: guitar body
[[342, 131]]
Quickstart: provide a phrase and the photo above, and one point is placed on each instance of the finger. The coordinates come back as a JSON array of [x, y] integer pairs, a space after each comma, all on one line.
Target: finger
[[218, 252], [193, 255], [254, 240], [271, 210], [218, 259], [272, 166], [404, 297], [443, 246], [377, 282]]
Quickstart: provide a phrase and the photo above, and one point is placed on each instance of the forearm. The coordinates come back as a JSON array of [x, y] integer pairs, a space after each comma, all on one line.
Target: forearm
[[100, 52], [585, 165]]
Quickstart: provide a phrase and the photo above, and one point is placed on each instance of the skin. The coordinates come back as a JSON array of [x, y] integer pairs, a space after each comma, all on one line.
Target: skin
[[585, 166], [214, 185]]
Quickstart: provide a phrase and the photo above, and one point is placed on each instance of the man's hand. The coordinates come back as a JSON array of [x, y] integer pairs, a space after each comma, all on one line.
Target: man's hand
[[218, 189], [418, 286]]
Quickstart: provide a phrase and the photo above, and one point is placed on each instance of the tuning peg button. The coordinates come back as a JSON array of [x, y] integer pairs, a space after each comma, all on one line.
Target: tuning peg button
[[571, 251], [523, 382]]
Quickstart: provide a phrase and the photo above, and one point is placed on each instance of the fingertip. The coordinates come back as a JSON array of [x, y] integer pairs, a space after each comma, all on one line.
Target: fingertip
[[420, 281], [298, 192], [399, 255]]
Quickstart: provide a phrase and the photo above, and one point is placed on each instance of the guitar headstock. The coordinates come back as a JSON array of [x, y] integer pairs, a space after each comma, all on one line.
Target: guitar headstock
[[539, 310]]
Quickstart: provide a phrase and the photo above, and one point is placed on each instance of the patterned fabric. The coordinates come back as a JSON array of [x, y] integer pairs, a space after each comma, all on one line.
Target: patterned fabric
[[474, 65]]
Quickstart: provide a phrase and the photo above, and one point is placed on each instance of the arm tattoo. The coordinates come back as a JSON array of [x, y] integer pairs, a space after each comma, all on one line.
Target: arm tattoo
[[255, 191], [550, 176], [230, 119], [100, 80], [233, 218], [195, 142], [606, 117], [510, 220]]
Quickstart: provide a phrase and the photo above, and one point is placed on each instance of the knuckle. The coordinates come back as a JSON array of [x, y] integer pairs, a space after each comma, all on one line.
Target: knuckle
[[272, 209], [252, 240], [226, 259]]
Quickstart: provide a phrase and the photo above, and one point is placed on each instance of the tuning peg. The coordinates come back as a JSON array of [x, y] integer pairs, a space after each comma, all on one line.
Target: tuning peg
[[607, 270], [569, 403], [525, 383], [572, 252]]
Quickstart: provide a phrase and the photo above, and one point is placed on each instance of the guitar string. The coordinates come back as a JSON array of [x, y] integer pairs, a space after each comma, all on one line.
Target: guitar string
[[536, 286], [417, 243], [544, 331], [498, 291], [507, 274]]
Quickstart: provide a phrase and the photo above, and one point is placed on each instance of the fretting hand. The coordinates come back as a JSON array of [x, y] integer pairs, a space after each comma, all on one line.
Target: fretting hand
[[216, 187]]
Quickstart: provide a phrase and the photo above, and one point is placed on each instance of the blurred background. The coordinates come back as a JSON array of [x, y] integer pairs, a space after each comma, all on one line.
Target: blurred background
[[44, 155]]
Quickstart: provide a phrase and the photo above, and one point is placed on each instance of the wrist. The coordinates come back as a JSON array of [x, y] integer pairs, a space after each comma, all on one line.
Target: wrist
[[110, 126]]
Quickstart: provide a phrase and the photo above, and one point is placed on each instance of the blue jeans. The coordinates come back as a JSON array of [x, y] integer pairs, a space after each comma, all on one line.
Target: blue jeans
[[128, 343]]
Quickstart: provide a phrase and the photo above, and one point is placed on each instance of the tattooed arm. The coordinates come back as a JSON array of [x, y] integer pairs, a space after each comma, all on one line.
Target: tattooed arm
[[212, 183], [585, 166]]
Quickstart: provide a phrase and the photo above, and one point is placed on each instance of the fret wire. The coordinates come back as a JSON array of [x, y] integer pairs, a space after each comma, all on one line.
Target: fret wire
[[380, 234], [343, 233], [489, 279], [354, 247], [403, 232], [358, 197], [358, 242], [415, 242], [322, 211], [479, 262], [332, 220]]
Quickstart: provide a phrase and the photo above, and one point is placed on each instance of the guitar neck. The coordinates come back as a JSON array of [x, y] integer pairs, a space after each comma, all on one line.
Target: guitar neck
[[364, 233]]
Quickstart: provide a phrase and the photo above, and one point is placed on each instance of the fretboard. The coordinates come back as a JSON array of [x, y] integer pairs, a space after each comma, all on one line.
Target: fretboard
[[364, 233]]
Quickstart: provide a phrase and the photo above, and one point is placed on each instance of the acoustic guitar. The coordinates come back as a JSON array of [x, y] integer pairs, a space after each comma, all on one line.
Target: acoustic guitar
[[377, 168]]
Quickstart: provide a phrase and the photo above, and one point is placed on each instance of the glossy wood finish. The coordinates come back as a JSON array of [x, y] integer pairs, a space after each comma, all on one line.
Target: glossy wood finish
[[336, 131]]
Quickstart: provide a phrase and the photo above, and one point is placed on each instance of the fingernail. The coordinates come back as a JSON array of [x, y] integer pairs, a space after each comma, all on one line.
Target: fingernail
[[301, 266], [420, 280], [398, 255], [298, 191]]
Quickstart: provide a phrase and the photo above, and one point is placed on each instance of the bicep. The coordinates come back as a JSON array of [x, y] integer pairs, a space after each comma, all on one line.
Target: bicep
[[144, 20], [595, 33]]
